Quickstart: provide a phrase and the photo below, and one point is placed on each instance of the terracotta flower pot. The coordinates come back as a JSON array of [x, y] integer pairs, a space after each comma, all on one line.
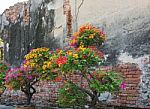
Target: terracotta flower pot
[[25, 107]]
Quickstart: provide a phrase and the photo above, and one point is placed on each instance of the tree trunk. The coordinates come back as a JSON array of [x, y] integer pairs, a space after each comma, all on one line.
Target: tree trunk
[[28, 93], [29, 97], [94, 100]]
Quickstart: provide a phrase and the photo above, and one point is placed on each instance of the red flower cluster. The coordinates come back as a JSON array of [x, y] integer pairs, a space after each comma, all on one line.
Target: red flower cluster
[[61, 60]]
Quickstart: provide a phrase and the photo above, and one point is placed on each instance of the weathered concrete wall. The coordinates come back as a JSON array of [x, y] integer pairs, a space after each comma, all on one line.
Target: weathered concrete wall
[[30, 25], [125, 22], [127, 25]]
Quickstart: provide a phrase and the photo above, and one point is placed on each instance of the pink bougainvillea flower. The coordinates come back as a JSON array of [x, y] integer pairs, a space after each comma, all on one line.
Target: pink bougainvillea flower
[[14, 75], [24, 61], [38, 75], [50, 52], [57, 50], [72, 44], [123, 85], [6, 78], [28, 77], [72, 37]]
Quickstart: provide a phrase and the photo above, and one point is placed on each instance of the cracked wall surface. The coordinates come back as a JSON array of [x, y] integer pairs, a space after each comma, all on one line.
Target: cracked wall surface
[[29, 25]]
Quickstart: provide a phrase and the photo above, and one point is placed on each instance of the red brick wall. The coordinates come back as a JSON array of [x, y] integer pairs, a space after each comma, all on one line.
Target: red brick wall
[[47, 91], [129, 96]]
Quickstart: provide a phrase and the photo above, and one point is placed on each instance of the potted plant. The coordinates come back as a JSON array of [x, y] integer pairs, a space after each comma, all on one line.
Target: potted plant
[[36, 66], [22, 79], [83, 62]]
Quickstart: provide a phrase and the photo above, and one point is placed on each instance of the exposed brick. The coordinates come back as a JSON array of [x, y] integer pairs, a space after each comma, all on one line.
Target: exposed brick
[[132, 98], [133, 79], [136, 76], [131, 91], [129, 76], [123, 98], [142, 107], [122, 101], [131, 82]]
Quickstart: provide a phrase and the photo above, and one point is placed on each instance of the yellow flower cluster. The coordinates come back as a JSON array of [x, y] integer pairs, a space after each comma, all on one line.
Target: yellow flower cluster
[[31, 59], [29, 64], [91, 36], [30, 56], [40, 49], [69, 52], [75, 56], [35, 53], [82, 48], [46, 65], [32, 65], [76, 34]]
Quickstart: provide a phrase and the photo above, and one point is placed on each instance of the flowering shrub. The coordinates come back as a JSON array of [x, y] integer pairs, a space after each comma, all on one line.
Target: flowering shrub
[[88, 35], [59, 64], [80, 60], [22, 79], [3, 70]]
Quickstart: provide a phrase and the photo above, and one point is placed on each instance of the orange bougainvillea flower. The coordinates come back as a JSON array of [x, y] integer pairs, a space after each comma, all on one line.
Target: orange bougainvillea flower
[[88, 35], [61, 60], [86, 27]]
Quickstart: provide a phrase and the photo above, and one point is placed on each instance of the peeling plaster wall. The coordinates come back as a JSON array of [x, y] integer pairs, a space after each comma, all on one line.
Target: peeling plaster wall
[[127, 25], [29, 25]]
